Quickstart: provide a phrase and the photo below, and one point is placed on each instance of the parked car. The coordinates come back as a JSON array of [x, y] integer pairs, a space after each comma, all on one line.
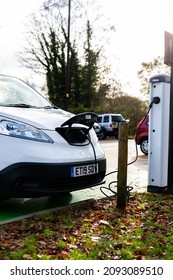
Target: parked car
[[99, 131], [109, 124], [44, 149], [142, 134]]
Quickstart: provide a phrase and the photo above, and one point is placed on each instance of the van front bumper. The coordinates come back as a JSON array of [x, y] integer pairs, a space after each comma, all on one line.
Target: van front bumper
[[41, 179]]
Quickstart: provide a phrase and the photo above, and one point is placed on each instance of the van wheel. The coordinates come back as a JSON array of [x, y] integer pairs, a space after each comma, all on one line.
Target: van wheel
[[144, 146]]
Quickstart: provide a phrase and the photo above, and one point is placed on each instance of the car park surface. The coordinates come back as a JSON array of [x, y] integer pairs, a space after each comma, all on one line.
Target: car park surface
[[44, 149]]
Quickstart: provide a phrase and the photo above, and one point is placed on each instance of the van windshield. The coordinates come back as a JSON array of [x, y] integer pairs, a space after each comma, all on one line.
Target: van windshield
[[16, 93]]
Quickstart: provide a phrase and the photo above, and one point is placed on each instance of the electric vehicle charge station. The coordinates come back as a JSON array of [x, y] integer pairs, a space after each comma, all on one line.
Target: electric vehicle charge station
[[159, 118], [160, 156]]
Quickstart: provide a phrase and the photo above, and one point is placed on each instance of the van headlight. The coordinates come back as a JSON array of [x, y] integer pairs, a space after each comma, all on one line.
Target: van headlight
[[24, 131]]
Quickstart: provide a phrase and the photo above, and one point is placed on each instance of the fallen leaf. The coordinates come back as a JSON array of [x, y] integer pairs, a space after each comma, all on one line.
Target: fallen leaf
[[27, 257], [106, 223]]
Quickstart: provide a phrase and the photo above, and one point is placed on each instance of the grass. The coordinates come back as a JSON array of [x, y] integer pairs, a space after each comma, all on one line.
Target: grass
[[95, 230]]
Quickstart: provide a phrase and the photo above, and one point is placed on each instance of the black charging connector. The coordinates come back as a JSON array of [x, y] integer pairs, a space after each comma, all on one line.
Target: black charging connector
[[155, 100]]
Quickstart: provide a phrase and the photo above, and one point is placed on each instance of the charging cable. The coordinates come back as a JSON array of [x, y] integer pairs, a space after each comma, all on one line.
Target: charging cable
[[155, 100]]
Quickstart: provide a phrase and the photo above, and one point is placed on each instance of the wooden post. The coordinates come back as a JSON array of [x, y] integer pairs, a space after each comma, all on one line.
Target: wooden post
[[122, 165]]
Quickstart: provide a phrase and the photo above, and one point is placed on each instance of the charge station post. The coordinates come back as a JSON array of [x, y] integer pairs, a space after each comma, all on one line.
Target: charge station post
[[158, 133], [160, 156]]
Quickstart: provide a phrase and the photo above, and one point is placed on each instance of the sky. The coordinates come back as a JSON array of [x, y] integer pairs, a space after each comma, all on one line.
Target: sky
[[13, 14], [139, 36]]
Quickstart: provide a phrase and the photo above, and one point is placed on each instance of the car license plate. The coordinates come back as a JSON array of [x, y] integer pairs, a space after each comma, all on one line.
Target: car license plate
[[114, 125], [84, 170]]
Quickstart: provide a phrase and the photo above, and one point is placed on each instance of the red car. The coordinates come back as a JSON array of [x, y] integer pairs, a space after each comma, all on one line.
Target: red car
[[142, 134]]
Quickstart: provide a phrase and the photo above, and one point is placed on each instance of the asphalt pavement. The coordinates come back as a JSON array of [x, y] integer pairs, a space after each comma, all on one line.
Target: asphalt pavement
[[137, 170]]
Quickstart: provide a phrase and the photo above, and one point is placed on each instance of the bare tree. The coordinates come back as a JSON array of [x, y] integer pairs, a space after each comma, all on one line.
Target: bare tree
[[150, 68], [70, 64]]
